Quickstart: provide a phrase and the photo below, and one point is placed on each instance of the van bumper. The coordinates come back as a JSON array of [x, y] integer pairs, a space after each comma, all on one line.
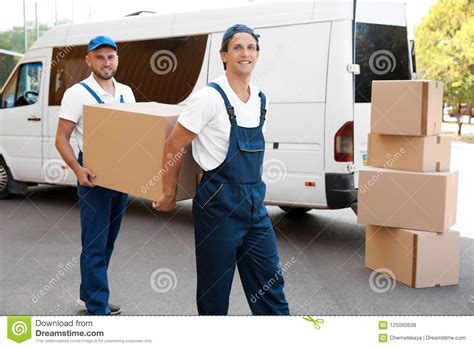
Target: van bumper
[[340, 190]]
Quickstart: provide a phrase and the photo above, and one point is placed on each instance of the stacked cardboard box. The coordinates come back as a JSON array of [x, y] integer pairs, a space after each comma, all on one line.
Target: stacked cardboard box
[[407, 195]]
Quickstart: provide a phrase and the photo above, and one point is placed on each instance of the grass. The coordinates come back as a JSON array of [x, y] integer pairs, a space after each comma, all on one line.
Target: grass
[[467, 132], [464, 138]]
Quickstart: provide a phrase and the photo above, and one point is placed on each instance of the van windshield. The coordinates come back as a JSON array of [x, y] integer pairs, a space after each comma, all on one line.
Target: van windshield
[[382, 53]]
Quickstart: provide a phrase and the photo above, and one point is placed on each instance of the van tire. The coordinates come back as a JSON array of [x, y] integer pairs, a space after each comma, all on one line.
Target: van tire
[[294, 210], [5, 178]]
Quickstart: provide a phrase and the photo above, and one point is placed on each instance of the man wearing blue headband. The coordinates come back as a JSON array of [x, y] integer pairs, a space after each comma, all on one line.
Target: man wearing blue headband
[[101, 209], [225, 122]]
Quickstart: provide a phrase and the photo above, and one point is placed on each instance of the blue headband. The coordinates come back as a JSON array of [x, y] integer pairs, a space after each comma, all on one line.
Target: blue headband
[[239, 28]]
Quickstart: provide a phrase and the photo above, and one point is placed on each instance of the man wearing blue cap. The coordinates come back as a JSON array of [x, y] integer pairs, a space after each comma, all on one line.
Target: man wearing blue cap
[[101, 209], [225, 123]]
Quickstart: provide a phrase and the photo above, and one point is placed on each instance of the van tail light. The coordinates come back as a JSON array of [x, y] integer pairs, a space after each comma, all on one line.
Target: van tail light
[[344, 143]]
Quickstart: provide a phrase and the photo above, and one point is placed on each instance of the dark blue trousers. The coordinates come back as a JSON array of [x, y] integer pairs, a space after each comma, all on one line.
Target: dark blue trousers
[[102, 210]]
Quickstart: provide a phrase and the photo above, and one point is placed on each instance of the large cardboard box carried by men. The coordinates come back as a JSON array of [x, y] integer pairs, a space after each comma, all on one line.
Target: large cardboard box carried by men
[[123, 146], [416, 258], [412, 107]]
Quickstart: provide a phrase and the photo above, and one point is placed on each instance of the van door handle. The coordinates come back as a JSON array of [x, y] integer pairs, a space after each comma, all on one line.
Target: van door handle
[[34, 118]]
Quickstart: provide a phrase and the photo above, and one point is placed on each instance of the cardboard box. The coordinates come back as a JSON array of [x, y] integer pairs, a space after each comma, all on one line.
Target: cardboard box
[[407, 107], [421, 154], [416, 258], [413, 200], [123, 146]]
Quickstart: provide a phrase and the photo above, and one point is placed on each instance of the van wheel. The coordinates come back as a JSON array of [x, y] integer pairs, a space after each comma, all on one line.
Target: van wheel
[[4, 179], [294, 210]]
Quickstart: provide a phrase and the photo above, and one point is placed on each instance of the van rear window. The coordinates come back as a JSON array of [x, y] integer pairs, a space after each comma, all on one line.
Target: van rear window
[[382, 53], [161, 70]]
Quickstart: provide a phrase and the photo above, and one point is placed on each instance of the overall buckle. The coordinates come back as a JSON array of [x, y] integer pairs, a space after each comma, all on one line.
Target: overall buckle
[[231, 112]]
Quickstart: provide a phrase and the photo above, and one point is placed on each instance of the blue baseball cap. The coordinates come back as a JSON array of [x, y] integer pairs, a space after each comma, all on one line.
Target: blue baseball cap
[[239, 28], [100, 41]]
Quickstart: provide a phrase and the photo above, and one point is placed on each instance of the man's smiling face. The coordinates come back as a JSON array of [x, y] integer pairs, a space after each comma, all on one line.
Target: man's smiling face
[[103, 62], [241, 55]]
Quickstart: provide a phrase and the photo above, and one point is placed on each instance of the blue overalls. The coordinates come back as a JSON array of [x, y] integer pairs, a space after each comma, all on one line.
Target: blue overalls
[[101, 214], [232, 227]]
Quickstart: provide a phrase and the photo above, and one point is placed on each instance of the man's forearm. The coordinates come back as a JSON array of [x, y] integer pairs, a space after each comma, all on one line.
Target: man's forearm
[[67, 153], [170, 166]]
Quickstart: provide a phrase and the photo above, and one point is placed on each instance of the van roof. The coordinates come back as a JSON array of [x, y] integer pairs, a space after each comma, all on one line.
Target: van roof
[[257, 15], [184, 23]]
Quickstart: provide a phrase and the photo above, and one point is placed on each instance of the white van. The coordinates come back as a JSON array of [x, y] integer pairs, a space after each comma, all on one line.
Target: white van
[[311, 55]]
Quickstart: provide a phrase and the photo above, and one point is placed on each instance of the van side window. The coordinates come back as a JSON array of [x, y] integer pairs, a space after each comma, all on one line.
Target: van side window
[[382, 53], [162, 70], [24, 86], [8, 97]]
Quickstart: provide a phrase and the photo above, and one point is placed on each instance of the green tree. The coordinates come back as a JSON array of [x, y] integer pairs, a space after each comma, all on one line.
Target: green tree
[[13, 40], [445, 51]]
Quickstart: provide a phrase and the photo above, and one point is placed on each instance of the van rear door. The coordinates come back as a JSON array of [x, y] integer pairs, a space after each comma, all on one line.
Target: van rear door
[[381, 50]]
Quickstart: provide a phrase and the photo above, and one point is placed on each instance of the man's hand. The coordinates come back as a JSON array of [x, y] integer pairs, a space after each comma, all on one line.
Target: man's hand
[[84, 175], [165, 203]]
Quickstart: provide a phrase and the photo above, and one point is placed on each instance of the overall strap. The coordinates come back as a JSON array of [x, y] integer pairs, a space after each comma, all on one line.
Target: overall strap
[[263, 104], [229, 108], [91, 91]]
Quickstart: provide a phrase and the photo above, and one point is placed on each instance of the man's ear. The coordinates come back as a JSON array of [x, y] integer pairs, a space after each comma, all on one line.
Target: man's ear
[[88, 60], [224, 56]]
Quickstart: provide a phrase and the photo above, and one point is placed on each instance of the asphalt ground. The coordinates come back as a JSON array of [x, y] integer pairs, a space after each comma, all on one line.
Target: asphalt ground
[[153, 271]]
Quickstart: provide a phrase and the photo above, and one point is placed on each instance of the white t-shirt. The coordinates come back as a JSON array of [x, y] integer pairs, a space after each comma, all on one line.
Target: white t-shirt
[[206, 115], [77, 96]]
